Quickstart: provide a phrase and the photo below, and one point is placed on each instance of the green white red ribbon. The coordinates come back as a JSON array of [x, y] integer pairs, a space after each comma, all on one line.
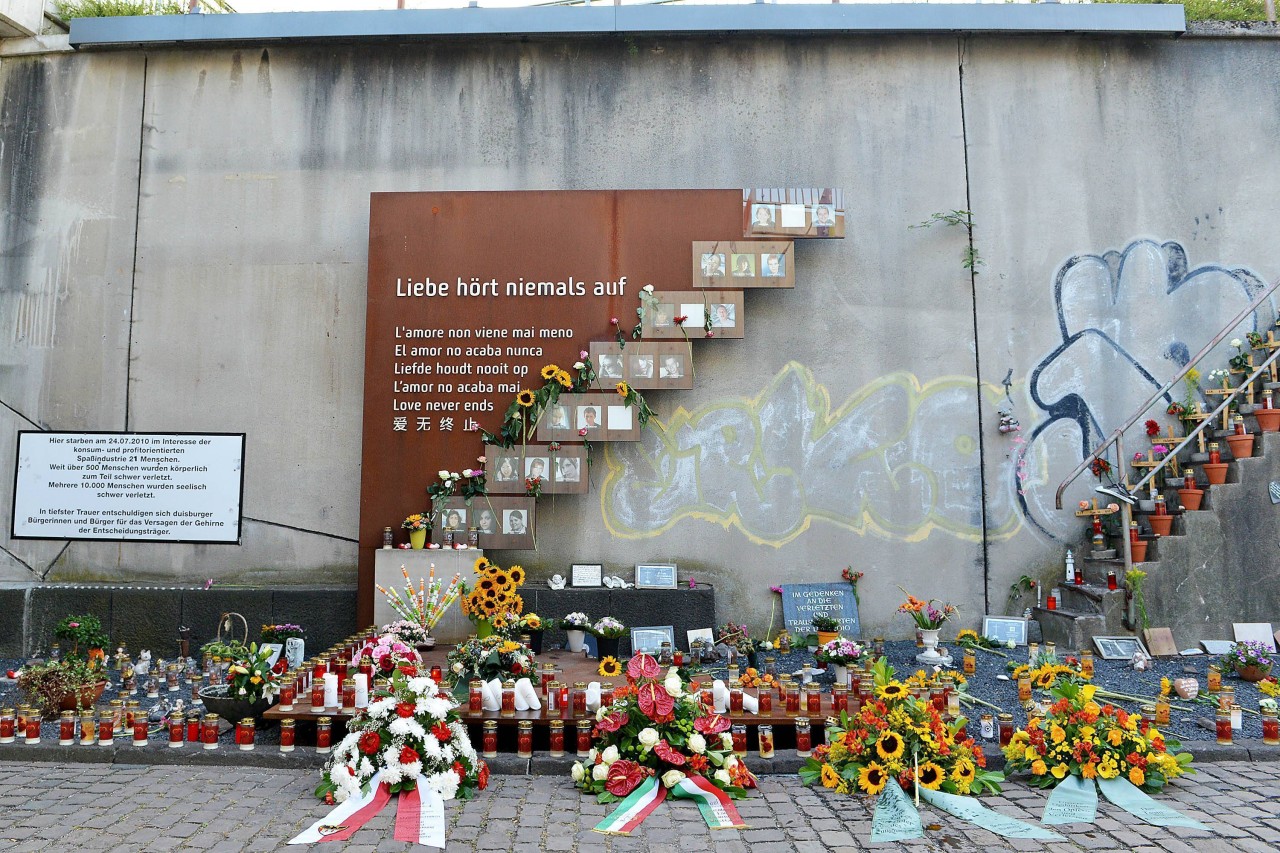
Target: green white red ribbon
[[347, 817], [716, 807], [420, 816], [632, 811]]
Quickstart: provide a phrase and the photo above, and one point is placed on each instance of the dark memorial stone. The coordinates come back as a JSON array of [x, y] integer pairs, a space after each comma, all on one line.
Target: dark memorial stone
[[802, 601]]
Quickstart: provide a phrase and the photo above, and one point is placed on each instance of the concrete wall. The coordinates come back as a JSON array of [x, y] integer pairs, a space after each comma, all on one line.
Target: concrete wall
[[183, 247]]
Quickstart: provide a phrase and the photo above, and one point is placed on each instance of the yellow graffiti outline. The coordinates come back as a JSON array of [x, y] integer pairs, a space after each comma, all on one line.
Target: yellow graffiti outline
[[819, 401]]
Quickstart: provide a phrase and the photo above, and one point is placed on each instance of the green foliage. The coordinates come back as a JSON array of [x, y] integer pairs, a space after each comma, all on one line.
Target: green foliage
[[46, 684], [969, 258], [81, 633], [68, 9], [1214, 10]]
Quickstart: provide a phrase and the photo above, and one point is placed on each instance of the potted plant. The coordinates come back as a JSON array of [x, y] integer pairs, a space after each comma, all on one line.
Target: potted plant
[[1250, 660], [840, 653], [277, 637], [418, 525], [828, 629], [531, 624], [251, 686], [70, 684], [575, 625], [82, 637], [607, 631]]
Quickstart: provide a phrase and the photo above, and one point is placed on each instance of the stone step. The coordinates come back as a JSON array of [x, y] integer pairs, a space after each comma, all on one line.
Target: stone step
[[1071, 630], [1091, 599]]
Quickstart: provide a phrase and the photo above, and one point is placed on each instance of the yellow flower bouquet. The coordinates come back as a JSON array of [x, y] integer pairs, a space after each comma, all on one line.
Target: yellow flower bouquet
[[1081, 738]]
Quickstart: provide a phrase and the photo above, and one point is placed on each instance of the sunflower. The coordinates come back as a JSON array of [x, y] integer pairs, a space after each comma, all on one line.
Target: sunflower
[[931, 776], [490, 594], [565, 380], [609, 667], [830, 778], [963, 772], [889, 745], [516, 603], [481, 565], [968, 634], [550, 371], [525, 398], [622, 389], [516, 574], [1046, 678], [485, 584], [892, 690], [499, 579], [872, 778]]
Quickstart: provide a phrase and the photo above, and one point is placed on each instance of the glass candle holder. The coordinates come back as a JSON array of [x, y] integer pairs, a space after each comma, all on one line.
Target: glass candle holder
[[1051, 601], [106, 731], [547, 676], [953, 703], [584, 737], [490, 740], [813, 702], [288, 695], [116, 707], [475, 696], [764, 736], [557, 739], [1006, 728], [765, 701], [317, 694], [579, 698], [288, 734], [244, 734], [1086, 664], [970, 662], [366, 667], [1148, 718], [172, 676], [324, 735], [349, 694], [793, 700], [677, 657], [1226, 696], [1270, 727], [153, 688], [804, 738], [524, 739], [387, 539], [67, 728], [839, 699], [1213, 681], [738, 732], [193, 727], [1215, 455], [665, 657], [197, 682], [1222, 726], [88, 728], [31, 732], [735, 698], [1237, 717], [177, 730], [139, 731], [8, 725], [1024, 688], [509, 699], [566, 709], [209, 731], [1162, 711]]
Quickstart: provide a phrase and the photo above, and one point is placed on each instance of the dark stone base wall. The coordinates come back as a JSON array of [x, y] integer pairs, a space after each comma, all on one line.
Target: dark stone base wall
[[148, 617], [683, 609]]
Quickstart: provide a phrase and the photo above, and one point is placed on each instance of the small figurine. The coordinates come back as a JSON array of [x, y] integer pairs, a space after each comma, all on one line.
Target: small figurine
[[556, 582], [1140, 661], [143, 666]]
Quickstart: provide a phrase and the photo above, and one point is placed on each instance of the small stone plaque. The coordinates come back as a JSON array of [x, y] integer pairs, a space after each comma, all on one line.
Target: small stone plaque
[[1160, 642], [1273, 489]]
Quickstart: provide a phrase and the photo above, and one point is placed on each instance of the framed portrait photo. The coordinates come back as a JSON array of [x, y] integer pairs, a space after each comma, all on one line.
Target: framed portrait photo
[[1002, 629]]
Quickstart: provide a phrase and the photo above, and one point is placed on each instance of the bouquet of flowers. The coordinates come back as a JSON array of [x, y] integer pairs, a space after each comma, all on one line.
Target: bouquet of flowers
[[280, 633], [417, 521], [1047, 674], [251, 677], [388, 653], [896, 739], [409, 633], [608, 628], [492, 601], [527, 623], [490, 657], [576, 621], [1081, 738], [736, 637], [660, 729], [1247, 653], [925, 615], [410, 734], [839, 651]]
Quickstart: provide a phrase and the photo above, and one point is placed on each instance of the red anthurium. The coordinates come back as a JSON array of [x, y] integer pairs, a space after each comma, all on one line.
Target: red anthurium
[[613, 722], [711, 724], [460, 770], [624, 776], [643, 666], [442, 732], [664, 751], [654, 700], [370, 743]]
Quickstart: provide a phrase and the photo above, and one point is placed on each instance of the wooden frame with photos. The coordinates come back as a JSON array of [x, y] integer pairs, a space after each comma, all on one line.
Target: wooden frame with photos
[[499, 508], [793, 212], [565, 469], [652, 638], [757, 278], [656, 575], [614, 420], [586, 575], [1118, 648], [1005, 628], [693, 304], [656, 353]]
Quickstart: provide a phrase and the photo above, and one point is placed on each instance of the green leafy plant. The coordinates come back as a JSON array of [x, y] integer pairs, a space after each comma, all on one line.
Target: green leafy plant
[[224, 649], [1214, 10], [82, 633], [117, 8], [1133, 582], [825, 623], [969, 258], [45, 685]]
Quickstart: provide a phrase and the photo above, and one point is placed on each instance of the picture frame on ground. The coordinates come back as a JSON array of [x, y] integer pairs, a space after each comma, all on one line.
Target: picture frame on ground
[[655, 576], [706, 635], [1118, 648], [1002, 629], [586, 574], [651, 638]]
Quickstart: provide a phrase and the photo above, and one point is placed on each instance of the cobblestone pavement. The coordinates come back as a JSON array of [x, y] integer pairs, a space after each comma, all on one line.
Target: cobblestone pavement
[[132, 808]]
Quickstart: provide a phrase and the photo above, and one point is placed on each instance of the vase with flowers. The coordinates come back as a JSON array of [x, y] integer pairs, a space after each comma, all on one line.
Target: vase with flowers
[[929, 619], [607, 631], [1250, 660], [418, 525], [575, 626]]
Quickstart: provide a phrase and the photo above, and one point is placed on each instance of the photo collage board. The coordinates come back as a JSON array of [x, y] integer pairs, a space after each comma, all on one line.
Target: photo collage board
[[604, 417], [723, 306], [503, 522], [563, 470], [643, 365], [793, 212], [743, 263]]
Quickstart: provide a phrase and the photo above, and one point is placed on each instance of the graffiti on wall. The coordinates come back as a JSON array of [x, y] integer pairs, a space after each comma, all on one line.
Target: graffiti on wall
[[894, 460], [1127, 322]]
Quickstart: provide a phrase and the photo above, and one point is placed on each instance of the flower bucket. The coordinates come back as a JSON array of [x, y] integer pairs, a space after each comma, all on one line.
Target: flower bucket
[[1268, 419], [607, 647], [1191, 498], [1139, 549], [1241, 446], [576, 640], [825, 637], [1215, 473], [842, 674], [1160, 524], [417, 539]]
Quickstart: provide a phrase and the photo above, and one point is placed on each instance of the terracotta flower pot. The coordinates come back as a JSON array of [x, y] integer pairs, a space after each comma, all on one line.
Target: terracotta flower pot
[[1140, 551], [88, 695], [1253, 673], [825, 637], [1241, 445], [1268, 419], [1160, 524], [1215, 472], [1191, 498]]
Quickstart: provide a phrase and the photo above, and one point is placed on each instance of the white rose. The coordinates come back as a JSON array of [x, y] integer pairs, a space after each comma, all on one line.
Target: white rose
[[609, 755], [766, 645], [600, 772], [577, 365], [697, 743], [592, 754], [726, 740], [1011, 644], [673, 686], [578, 772], [730, 762], [648, 737], [453, 476], [722, 776], [1235, 342], [457, 667], [443, 475], [672, 778], [648, 288]]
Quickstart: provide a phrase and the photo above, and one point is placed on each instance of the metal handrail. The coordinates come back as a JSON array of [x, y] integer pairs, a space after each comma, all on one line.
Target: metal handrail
[[1117, 436]]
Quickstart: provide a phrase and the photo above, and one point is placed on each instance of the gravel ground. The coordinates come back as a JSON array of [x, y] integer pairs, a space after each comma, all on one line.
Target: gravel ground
[[985, 685]]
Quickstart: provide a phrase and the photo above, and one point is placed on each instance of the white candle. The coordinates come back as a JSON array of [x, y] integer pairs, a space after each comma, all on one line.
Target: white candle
[[331, 699], [362, 690]]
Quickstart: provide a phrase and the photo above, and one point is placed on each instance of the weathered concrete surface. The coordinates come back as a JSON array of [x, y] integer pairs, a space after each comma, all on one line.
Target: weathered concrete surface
[[848, 428]]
